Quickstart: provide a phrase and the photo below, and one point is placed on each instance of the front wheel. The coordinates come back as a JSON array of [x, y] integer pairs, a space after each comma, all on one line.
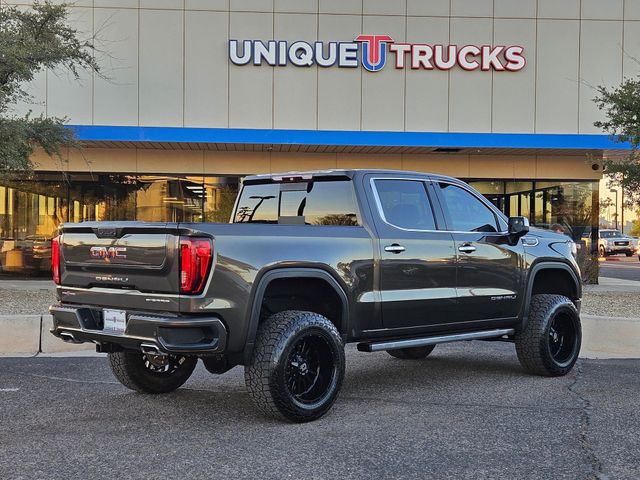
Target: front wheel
[[629, 254], [297, 366], [146, 373], [550, 342], [602, 252]]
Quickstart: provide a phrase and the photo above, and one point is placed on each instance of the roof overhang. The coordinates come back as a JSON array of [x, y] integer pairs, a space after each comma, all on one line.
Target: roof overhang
[[329, 141]]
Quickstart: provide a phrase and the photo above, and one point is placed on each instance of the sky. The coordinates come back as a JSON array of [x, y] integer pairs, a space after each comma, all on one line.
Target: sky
[[605, 193]]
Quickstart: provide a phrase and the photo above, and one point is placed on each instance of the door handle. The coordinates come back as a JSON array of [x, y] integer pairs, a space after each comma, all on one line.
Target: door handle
[[466, 248], [395, 248]]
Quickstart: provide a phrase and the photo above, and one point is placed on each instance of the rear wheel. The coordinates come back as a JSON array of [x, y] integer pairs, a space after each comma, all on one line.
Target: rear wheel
[[146, 373], [297, 366], [550, 343], [413, 353]]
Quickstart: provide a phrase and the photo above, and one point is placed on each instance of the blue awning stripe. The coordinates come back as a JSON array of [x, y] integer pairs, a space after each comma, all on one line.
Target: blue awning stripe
[[347, 138]]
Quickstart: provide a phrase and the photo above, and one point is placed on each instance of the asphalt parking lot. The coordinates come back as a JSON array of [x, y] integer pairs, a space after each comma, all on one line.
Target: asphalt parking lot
[[621, 267], [468, 411]]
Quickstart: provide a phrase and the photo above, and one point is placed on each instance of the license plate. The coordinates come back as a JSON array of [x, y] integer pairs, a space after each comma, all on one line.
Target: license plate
[[115, 321]]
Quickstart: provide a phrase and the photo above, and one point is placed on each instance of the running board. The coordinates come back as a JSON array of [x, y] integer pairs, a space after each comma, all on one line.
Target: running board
[[423, 342]]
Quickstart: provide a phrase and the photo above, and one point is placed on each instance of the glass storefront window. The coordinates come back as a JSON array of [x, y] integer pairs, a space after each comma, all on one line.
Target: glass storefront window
[[30, 214], [220, 197], [493, 190], [566, 207], [170, 199], [96, 197], [32, 208]]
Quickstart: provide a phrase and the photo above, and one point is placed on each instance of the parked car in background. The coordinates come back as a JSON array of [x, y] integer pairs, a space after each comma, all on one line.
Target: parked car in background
[[613, 242]]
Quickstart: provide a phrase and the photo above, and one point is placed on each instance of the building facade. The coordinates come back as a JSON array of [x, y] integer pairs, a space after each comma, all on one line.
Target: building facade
[[195, 94]]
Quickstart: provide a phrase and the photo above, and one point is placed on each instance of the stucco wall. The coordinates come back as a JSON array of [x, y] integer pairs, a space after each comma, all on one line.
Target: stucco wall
[[165, 63]]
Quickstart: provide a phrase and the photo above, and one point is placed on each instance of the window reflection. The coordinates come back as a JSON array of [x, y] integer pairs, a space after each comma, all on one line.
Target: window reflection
[[170, 199], [32, 208], [220, 198], [567, 207], [30, 213], [311, 203]]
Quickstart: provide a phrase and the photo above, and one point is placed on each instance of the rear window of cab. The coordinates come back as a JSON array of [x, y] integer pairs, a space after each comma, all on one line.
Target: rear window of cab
[[303, 203]]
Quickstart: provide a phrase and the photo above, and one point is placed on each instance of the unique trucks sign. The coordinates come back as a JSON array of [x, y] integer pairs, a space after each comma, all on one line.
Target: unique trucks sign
[[372, 51]]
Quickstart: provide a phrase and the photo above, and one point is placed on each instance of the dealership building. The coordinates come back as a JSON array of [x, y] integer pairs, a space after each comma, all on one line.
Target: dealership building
[[195, 94]]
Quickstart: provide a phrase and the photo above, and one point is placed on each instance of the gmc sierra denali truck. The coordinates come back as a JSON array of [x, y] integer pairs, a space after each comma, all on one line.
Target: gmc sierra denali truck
[[395, 261]]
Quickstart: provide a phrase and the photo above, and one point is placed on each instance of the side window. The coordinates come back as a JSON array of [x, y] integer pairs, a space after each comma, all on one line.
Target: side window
[[321, 203], [405, 204], [465, 212], [310, 203]]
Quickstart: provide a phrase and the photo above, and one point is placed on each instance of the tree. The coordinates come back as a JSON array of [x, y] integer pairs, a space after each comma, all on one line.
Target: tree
[[32, 40], [635, 230], [621, 107]]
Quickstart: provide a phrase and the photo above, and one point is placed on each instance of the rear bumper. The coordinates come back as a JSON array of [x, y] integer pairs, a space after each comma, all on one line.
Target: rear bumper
[[175, 334]]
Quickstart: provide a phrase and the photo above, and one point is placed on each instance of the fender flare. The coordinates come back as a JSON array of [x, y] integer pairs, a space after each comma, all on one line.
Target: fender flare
[[292, 272], [537, 268]]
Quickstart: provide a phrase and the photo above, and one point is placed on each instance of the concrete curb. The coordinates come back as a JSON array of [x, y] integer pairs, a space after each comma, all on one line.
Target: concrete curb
[[28, 335], [20, 334], [610, 337]]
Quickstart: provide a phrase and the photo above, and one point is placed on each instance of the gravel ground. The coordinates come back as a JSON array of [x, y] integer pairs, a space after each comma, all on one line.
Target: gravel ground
[[35, 299], [25, 301], [611, 304]]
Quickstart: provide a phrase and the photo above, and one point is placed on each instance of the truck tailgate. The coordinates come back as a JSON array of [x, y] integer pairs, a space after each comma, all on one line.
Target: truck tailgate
[[125, 255]]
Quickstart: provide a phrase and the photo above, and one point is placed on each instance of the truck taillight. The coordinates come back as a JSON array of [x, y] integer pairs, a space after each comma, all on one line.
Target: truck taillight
[[195, 263], [55, 259]]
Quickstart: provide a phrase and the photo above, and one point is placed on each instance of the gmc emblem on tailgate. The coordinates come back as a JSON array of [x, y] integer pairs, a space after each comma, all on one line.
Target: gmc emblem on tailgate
[[108, 252]]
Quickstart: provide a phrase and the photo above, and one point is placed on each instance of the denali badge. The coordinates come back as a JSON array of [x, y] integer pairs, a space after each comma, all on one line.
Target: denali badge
[[108, 252], [109, 278]]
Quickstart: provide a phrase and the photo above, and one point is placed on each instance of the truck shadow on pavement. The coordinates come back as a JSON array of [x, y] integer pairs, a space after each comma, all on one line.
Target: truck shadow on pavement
[[486, 376]]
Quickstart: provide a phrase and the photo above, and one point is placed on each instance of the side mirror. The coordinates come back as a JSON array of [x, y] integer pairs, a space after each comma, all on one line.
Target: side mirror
[[518, 226]]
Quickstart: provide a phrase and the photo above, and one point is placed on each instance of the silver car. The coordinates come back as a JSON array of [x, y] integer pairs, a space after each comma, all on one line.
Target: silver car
[[613, 242]]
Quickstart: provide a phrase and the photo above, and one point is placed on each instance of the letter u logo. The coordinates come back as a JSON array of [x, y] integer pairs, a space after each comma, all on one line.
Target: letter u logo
[[374, 51]]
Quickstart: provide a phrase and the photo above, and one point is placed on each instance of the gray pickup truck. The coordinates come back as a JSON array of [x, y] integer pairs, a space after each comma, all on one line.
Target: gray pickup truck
[[393, 260]]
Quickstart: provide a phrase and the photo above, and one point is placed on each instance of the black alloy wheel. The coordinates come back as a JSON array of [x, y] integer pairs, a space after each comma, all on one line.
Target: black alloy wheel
[[562, 338], [149, 373], [310, 369], [297, 366], [549, 343]]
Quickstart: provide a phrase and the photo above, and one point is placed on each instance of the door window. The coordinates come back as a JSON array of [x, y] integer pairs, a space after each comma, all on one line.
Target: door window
[[465, 212], [405, 204]]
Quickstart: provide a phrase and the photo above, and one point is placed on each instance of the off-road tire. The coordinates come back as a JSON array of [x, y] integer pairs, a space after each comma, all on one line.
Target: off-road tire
[[129, 368], [535, 344], [412, 353], [270, 374]]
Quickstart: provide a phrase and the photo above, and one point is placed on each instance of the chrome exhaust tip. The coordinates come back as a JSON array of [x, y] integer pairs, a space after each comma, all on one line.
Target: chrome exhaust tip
[[150, 349], [69, 337]]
